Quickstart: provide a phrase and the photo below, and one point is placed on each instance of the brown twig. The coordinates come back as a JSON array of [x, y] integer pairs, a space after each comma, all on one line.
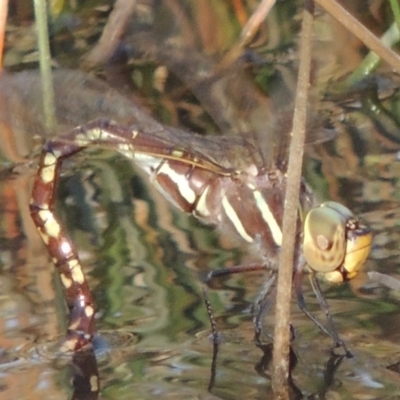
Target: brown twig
[[284, 287], [3, 19], [112, 33], [361, 32], [248, 32], [253, 24]]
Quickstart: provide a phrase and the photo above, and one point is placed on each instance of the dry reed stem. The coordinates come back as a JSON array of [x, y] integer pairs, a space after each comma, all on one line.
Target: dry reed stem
[[280, 377], [3, 19], [253, 24], [361, 32], [45, 64]]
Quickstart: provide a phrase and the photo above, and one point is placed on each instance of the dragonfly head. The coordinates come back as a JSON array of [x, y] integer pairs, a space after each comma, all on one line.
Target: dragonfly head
[[335, 242]]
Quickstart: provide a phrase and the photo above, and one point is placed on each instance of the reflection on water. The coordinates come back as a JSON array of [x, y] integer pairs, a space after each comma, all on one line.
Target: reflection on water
[[143, 259]]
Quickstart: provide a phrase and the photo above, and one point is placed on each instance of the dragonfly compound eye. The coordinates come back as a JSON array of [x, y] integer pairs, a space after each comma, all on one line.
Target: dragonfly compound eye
[[335, 243]]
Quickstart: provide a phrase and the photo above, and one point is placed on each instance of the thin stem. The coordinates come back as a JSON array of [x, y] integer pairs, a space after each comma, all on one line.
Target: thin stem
[[253, 24], [45, 64], [112, 33], [3, 19], [248, 32], [372, 60], [394, 4], [280, 377], [361, 32]]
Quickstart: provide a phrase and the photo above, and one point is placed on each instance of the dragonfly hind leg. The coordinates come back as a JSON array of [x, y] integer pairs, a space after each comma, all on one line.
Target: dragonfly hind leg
[[259, 309]]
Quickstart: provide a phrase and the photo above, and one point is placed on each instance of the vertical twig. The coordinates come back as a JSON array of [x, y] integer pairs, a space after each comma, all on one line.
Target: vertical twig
[[3, 19], [284, 287], [45, 64]]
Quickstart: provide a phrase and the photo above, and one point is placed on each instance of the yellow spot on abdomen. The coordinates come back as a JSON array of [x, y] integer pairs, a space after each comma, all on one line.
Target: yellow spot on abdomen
[[76, 271], [47, 173]]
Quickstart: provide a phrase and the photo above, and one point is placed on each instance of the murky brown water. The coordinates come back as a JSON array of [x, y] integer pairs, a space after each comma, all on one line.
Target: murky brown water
[[143, 259]]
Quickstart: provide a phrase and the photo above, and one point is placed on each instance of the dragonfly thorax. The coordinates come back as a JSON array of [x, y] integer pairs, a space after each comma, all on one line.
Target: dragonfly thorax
[[245, 204]]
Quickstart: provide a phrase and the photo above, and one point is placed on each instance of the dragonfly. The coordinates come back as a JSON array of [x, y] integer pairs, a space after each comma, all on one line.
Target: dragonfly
[[223, 181]]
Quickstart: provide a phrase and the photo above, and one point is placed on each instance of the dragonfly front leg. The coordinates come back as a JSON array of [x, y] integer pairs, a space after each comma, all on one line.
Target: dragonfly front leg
[[330, 330], [77, 292]]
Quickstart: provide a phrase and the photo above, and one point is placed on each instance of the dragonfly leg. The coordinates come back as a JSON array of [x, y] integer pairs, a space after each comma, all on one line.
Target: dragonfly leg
[[215, 338], [214, 331], [238, 269], [217, 274], [330, 330], [262, 305]]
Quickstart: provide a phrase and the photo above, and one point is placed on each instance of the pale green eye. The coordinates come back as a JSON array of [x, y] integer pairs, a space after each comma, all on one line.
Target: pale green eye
[[335, 243]]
